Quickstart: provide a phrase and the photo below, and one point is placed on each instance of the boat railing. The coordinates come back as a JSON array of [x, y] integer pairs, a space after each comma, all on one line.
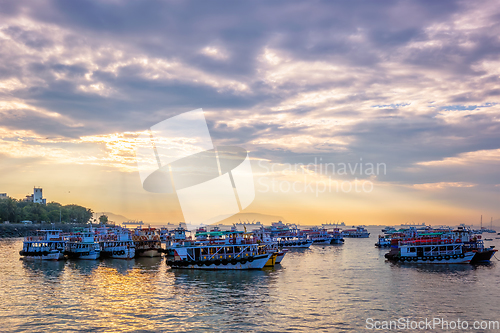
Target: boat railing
[[423, 242]]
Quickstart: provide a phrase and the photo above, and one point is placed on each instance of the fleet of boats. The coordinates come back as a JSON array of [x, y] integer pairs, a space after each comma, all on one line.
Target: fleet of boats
[[265, 246]]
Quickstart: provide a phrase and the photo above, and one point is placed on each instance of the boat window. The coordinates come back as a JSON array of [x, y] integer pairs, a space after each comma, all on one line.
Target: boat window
[[427, 249], [442, 248], [450, 247], [411, 249]]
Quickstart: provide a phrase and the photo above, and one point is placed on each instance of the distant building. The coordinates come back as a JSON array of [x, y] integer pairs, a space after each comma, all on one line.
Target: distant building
[[3, 196], [36, 197]]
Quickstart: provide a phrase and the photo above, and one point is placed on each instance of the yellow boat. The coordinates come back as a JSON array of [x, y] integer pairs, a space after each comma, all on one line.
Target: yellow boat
[[272, 260]]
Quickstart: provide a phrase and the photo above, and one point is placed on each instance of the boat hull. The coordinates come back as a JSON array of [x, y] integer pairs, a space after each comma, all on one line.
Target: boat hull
[[279, 257], [296, 245], [483, 257], [90, 255], [119, 254], [272, 260], [357, 236], [258, 263], [466, 259], [328, 241], [49, 256]]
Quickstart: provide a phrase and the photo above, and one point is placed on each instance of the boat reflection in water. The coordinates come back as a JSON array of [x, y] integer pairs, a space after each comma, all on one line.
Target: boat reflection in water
[[45, 268], [84, 267], [123, 267], [148, 263]]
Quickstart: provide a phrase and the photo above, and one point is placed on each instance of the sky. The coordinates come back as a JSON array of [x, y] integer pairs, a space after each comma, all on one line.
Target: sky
[[410, 86]]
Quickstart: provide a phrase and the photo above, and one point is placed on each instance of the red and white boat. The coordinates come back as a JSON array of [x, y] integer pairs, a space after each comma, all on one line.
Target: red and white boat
[[147, 242]]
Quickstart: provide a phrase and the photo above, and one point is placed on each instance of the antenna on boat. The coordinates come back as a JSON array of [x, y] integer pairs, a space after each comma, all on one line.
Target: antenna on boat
[[481, 221]]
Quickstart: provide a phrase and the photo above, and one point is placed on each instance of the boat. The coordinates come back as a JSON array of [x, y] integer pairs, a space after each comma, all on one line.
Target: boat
[[383, 241], [271, 262], [82, 245], [388, 229], [43, 245], [280, 255], [219, 250], [482, 253], [115, 243], [263, 237], [420, 226], [336, 235], [323, 237], [147, 242], [430, 251], [286, 235], [437, 246], [359, 232], [293, 241]]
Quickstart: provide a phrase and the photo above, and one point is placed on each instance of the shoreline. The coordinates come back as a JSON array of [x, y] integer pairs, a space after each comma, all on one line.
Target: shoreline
[[22, 230]]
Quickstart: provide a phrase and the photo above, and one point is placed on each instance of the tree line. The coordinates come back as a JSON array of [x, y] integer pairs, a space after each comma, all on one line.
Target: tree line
[[15, 211]]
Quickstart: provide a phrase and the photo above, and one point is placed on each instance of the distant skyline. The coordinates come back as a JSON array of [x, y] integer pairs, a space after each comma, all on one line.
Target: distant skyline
[[410, 87]]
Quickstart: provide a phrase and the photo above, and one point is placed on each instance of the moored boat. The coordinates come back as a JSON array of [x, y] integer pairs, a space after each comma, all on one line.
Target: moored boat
[[383, 241], [147, 242], [116, 243], [43, 245], [431, 251], [219, 250], [359, 232], [82, 245], [293, 241], [320, 236]]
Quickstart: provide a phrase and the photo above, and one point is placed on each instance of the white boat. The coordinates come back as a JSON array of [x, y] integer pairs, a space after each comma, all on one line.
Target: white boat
[[323, 237], [82, 245], [359, 232], [43, 245], [383, 241], [293, 241], [431, 251], [219, 250], [116, 243], [147, 242]]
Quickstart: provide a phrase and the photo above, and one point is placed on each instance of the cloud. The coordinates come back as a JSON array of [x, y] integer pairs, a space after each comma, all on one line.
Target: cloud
[[441, 185], [411, 84]]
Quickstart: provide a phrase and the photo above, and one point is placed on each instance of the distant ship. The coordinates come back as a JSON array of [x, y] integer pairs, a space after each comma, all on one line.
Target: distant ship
[[334, 225], [359, 232], [413, 225]]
